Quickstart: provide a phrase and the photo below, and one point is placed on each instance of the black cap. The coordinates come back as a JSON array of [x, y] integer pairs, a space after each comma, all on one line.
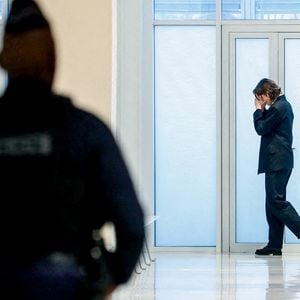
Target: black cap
[[25, 15], [28, 44]]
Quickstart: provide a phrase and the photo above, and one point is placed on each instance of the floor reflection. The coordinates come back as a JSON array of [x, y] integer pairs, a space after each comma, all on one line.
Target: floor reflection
[[179, 276]]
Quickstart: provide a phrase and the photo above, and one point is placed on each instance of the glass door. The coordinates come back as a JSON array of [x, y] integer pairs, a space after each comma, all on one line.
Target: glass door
[[289, 78], [252, 55]]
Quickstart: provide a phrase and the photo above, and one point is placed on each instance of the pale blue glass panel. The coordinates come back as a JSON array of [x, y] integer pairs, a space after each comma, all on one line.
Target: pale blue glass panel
[[1, 9], [261, 9], [277, 9], [232, 9], [3, 81], [4, 9], [3, 74], [185, 135], [184, 9], [292, 91], [252, 64]]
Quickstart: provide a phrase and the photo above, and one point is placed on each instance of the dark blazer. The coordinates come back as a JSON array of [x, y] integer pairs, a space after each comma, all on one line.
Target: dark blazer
[[275, 128]]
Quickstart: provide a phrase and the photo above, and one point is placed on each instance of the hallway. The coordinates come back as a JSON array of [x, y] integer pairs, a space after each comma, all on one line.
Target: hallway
[[202, 276]]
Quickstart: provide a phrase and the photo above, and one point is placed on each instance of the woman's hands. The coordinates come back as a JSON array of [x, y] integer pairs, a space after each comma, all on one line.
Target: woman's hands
[[259, 102]]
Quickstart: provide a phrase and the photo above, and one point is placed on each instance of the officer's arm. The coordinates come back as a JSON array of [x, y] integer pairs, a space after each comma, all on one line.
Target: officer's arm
[[122, 207]]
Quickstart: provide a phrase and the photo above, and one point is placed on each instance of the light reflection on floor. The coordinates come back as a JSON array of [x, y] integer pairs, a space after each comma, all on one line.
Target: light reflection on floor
[[196, 276]]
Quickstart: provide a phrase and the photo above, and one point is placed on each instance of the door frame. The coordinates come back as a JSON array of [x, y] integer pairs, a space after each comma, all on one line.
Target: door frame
[[229, 33]]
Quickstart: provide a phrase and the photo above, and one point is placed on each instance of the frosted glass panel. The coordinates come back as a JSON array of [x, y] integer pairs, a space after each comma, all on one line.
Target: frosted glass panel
[[261, 9], [2, 2], [232, 9], [184, 9], [3, 81], [185, 135], [277, 9], [251, 66], [292, 91]]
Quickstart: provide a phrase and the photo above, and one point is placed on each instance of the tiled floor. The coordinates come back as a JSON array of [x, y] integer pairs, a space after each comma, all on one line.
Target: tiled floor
[[194, 276]]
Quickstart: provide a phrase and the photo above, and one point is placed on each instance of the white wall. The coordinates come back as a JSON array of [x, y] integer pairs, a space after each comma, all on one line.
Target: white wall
[[134, 94]]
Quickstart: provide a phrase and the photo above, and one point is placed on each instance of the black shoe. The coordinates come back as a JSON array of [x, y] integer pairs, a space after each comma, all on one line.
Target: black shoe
[[268, 251]]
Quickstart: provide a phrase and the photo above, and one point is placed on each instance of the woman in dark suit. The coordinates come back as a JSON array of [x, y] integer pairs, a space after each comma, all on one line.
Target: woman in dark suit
[[274, 125]]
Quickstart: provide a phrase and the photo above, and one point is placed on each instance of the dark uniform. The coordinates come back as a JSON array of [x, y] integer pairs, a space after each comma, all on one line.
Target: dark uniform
[[61, 177]]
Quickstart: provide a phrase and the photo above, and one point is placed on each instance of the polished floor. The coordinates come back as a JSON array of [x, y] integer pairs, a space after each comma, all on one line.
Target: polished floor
[[196, 276]]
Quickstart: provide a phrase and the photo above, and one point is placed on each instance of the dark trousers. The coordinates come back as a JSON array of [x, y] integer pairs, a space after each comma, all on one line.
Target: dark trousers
[[279, 212]]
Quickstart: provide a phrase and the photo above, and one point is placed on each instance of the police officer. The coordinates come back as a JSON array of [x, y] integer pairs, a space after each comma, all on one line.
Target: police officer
[[62, 177]]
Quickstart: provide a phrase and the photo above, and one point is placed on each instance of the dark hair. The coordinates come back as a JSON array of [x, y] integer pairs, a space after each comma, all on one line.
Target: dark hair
[[267, 87]]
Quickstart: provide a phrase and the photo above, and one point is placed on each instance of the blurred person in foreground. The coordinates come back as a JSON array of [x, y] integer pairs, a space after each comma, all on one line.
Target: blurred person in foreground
[[62, 177]]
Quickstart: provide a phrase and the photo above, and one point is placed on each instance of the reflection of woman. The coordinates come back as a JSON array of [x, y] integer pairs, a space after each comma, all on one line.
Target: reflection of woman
[[274, 125]]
